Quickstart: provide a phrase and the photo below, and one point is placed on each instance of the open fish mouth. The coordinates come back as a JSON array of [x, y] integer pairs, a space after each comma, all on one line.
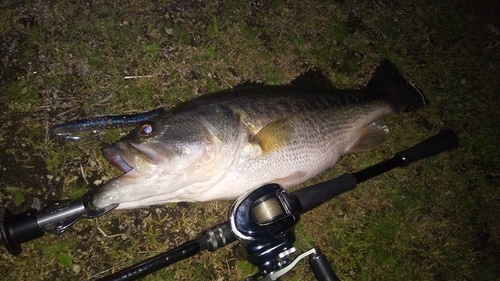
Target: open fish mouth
[[115, 157]]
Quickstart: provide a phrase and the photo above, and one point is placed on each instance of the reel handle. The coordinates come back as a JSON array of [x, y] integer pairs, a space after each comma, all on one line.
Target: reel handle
[[321, 267]]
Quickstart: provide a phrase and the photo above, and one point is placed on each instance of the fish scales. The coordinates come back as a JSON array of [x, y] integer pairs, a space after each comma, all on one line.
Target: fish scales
[[320, 126], [220, 145]]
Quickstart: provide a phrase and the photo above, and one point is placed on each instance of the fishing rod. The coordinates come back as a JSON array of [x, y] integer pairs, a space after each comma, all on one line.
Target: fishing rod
[[60, 215], [262, 220]]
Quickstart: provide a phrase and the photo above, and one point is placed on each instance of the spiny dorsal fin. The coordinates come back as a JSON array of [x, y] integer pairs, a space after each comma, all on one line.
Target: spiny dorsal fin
[[249, 84], [372, 136], [313, 78], [273, 136]]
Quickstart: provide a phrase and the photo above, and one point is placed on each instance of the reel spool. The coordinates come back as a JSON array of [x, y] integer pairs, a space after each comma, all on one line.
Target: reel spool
[[264, 223]]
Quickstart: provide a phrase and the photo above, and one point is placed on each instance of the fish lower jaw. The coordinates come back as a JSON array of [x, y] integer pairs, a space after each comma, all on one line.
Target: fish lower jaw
[[131, 174], [156, 200], [129, 201]]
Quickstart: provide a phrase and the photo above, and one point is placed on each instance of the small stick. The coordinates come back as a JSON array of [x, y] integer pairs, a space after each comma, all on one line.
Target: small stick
[[138, 76], [83, 174]]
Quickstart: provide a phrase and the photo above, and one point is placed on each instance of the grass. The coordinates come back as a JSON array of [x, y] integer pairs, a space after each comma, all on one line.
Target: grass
[[434, 220]]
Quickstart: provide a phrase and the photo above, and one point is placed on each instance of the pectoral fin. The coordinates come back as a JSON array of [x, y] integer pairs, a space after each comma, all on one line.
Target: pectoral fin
[[275, 135], [372, 136]]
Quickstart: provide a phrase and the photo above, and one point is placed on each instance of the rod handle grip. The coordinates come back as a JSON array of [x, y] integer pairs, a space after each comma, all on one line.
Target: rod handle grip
[[447, 139]]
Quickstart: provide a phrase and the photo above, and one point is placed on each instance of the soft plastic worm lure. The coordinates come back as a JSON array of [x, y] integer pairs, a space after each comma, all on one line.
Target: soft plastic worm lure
[[98, 124]]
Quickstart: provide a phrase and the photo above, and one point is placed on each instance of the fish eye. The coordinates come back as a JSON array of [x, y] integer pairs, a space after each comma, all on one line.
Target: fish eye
[[146, 129]]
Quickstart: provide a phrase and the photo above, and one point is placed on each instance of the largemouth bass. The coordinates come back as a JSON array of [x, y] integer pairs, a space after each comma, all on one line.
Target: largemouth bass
[[220, 145]]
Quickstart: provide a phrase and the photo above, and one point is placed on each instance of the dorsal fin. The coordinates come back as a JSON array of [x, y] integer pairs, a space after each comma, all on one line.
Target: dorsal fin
[[248, 84], [313, 78]]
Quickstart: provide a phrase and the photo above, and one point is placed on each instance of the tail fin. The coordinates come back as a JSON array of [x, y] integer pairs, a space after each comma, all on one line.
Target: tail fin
[[401, 94]]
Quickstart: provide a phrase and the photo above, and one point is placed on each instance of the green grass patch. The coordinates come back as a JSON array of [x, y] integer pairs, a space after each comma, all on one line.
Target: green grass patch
[[434, 220]]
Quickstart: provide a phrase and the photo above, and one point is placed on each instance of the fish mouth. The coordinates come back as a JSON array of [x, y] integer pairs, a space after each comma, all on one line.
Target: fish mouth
[[117, 156]]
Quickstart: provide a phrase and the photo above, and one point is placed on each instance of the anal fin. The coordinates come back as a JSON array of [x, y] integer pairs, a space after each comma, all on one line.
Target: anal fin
[[372, 136]]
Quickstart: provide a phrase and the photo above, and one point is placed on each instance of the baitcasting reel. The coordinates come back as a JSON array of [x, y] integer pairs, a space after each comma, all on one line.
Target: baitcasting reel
[[264, 223]]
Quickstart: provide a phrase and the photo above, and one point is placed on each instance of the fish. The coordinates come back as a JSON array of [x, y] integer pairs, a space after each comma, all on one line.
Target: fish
[[218, 146]]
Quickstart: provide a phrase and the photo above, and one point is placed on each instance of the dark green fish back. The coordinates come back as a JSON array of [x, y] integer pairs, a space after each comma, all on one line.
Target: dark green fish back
[[313, 92]]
